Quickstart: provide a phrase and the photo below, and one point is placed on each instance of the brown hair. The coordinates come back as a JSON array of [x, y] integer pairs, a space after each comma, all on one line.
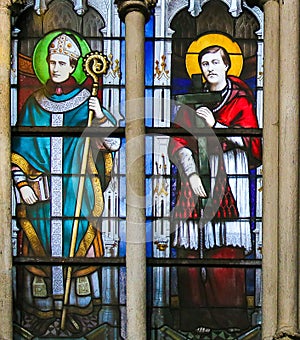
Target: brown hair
[[214, 49]]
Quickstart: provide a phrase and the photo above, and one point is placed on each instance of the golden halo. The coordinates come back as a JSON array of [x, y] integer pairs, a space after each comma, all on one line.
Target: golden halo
[[213, 39]]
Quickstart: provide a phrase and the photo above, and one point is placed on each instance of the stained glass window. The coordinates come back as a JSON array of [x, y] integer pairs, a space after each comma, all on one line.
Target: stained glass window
[[203, 226], [203, 118]]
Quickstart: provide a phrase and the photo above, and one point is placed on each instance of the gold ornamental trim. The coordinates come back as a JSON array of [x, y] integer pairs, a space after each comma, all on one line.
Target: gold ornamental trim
[[108, 160], [86, 241], [96, 183], [24, 165], [30, 232]]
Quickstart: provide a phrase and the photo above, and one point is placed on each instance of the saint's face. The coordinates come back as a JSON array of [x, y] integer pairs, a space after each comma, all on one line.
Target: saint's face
[[214, 69], [60, 67]]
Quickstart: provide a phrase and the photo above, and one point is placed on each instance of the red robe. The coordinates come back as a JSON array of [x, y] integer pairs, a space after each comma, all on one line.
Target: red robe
[[220, 300], [236, 111]]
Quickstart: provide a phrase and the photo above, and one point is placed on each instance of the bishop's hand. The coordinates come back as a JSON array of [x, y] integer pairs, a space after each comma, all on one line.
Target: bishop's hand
[[94, 105], [28, 195]]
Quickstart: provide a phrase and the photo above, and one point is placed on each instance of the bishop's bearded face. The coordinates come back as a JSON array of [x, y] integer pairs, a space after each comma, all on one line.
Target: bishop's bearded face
[[60, 67]]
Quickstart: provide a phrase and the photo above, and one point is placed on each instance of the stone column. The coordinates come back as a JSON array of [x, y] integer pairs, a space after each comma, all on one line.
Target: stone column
[[288, 198], [5, 178], [134, 14], [270, 168]]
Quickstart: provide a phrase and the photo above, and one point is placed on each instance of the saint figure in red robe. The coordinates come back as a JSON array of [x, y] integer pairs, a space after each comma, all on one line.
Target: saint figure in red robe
[[215, 297]]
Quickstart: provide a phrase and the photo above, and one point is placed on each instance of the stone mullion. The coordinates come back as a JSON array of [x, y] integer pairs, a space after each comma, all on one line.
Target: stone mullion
[[5, 178], [270, 168], [135, 14], [281, 169], [135, 178], [288, 198]]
